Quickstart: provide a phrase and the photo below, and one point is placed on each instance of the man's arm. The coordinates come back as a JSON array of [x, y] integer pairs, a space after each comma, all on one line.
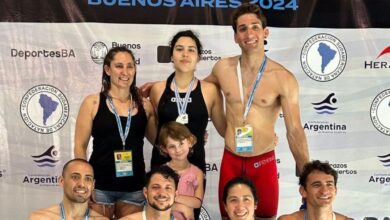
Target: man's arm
[[151, 127], [213, 76], [295, 133], [217, 113]]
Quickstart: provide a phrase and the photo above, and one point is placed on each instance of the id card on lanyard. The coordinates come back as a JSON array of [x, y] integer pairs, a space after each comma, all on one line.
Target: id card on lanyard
[[244, 134], [244, 139], [123, 163], [124, 158]]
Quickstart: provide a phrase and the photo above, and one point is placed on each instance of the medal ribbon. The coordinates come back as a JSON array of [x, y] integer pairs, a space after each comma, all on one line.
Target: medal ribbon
[[182, 104], [86, 215], [119, 123], [254, 87]]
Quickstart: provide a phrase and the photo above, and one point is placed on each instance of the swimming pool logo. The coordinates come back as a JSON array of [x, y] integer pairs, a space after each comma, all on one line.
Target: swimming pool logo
[[326, 106], [49, 158]]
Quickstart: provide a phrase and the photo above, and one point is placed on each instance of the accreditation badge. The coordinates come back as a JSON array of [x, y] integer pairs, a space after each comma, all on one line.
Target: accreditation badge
[[123, 163], [182, 119], [244, 139]]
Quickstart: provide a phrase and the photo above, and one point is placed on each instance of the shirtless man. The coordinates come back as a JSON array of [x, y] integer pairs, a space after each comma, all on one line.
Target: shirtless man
[[252, 152], [318, 186], [160, 192], [78, 181]]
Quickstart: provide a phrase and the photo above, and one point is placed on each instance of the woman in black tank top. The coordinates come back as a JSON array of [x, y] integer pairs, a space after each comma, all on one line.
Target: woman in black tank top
[[118, 119], [187, 100]]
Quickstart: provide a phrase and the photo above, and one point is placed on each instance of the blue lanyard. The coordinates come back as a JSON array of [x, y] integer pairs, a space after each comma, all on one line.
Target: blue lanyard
[[119, 123], [86, 215], [254, 87], [182, 105]]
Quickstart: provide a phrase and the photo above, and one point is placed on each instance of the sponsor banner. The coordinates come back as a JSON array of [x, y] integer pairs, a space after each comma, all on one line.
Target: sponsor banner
[[280, 13]]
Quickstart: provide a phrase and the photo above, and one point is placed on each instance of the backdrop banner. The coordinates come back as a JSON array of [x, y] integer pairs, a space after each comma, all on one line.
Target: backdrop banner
[[52, 54]]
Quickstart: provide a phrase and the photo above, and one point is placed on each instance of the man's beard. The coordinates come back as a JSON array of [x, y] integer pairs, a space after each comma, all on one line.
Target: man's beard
[[159, 208], [77, 198]]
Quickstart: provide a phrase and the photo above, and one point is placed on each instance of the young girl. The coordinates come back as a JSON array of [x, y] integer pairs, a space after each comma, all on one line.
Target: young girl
[[176, 141]]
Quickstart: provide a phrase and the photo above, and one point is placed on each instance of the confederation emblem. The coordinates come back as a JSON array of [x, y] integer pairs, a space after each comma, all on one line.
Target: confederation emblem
[[323, 57], [204, 215], [44, 109], [380, 112]]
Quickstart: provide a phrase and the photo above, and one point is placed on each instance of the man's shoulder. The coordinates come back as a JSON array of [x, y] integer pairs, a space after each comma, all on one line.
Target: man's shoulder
[[274, 66], [293, 216], [208, 87], [342, 217], [96, 216], [227, 62], [45, 214], [281, 74]]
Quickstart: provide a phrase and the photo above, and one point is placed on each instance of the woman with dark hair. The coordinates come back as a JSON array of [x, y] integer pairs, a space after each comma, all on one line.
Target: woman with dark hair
[[187, 100], [118, 119], [240, 198]]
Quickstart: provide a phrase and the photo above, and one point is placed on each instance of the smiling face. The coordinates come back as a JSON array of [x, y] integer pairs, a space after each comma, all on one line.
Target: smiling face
[[250, 33], [240, 203], [320, 189], [121, 70], [177, 149], [160, 192], [78, 182], [185, 55]]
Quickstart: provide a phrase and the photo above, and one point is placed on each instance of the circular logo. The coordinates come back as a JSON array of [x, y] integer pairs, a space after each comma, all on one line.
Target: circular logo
[[44, 109], [323, 57], [204, 215], [98, 52], [380, 112]]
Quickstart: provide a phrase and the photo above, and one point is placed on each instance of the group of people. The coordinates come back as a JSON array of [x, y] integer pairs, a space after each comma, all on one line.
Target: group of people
[[318, 187], [173, 118]]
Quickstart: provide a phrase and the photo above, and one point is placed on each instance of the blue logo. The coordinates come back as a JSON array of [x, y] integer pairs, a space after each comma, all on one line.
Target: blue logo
[[44, 109], [326, 106], [48, 159], [323, 57], [385, 159]]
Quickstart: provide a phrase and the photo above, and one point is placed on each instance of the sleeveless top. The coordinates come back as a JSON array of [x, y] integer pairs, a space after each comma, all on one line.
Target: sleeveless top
[[106, 140], [197, 123]]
